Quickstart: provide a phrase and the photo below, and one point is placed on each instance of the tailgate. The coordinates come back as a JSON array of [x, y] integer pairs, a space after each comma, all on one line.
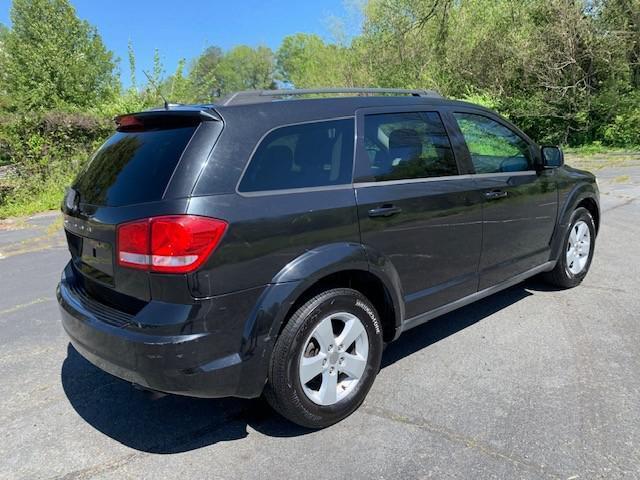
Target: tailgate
[[144, 169]]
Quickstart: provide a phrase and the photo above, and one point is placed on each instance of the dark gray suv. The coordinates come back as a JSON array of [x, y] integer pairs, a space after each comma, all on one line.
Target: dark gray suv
[[273, 245]]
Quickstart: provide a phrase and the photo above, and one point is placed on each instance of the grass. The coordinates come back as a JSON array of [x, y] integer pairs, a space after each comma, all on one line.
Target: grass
[[599, 149], [47, 199], [622, 179], [596, 157]]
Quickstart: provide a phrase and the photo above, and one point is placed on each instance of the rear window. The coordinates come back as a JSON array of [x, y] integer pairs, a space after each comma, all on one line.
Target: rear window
[[300, 156], [133, 167]]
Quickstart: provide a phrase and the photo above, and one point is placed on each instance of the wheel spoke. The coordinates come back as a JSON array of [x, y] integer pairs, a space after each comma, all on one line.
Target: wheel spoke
[[573, 236], [352, 330], [311, 367], [329, 389], [582, 229], [324, 334], [331, 373], [353, 365]]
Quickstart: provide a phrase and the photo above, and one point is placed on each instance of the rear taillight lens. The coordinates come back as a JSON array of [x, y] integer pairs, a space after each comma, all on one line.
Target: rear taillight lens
[[170, 244]]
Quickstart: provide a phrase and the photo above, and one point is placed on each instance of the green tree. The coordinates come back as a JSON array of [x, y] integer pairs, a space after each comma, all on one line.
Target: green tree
[[177, 87], [245, 68], [4, 31], [132, 65], [305, 61], [202, 77], [54, 59]]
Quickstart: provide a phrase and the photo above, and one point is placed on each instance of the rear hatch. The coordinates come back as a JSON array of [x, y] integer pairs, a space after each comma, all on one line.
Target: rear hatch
[[146, 168]]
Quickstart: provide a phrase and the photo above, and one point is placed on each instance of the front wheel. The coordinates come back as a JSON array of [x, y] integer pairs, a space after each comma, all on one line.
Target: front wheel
[[575, 258], [326, 359]]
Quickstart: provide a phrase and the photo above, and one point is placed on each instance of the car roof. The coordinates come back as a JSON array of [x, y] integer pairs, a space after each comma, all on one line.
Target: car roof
[[310, 109]]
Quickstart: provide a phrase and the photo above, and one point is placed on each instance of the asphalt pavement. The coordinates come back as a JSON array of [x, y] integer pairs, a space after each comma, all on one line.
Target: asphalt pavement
[[529, 383]]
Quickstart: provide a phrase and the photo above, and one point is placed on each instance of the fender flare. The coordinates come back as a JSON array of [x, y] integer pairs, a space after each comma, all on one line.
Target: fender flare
[[263, 325], [320, 262], [574, 197]]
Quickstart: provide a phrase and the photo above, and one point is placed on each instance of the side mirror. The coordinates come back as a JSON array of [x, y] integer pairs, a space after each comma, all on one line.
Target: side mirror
[[552, 157]]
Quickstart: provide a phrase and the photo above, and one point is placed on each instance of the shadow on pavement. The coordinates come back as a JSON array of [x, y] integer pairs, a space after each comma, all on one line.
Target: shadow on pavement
[[164, 424], [158, 423]]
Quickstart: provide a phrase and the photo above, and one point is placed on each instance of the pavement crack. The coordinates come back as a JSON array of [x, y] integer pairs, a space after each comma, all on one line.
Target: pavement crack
[[458, 438], [620, 205], [20, 306], [100, 468]]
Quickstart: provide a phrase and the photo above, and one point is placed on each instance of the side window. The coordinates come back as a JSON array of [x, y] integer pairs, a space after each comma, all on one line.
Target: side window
[[403, 146], [298, 156], [493, 147]]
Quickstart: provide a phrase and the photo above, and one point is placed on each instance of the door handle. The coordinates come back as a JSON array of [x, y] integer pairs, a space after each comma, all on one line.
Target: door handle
[[384, 211], [493, 194]]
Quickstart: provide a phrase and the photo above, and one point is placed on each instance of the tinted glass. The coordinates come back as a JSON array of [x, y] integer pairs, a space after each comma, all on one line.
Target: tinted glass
[[132, 167], [407, 145], [493, 147], [299, 156]]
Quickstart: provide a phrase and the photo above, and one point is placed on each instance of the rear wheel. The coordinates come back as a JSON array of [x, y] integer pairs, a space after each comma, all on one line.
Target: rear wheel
[[326, 359], [575, 257]]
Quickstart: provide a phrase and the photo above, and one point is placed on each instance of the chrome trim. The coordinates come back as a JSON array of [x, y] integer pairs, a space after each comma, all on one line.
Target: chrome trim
[[264, 193], [425, 317], [448, 177], [505, 174]]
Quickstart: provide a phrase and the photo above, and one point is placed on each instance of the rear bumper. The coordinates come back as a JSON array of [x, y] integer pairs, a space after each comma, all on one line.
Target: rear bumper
[[207, 349]]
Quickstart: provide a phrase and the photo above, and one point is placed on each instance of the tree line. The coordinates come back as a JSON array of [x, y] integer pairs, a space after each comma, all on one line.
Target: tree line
[[566, 71]]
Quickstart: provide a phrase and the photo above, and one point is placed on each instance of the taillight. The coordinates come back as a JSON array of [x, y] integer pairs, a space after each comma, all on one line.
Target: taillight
[[170, 244]]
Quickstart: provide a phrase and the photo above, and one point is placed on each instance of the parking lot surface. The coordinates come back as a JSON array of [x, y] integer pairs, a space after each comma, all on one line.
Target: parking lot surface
[[529, 383]]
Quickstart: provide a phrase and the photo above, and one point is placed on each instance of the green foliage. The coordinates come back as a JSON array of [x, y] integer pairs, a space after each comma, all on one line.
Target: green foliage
[[245, 68], [565, 71], [307, 61], [53, 59], [132, 64], [203, 76], [45, 151]]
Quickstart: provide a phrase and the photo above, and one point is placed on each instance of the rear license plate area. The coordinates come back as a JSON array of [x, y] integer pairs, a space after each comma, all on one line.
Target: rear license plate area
[[97, 255]]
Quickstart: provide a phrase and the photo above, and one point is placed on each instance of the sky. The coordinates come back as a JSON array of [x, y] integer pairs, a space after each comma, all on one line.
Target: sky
[[183, 28]]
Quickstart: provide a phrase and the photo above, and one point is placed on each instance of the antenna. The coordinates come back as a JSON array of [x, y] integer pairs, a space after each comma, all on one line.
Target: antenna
[[154, 85]]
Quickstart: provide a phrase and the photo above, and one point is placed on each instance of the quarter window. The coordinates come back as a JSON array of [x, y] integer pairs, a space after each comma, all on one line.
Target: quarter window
[[300, 156], [493, 147], [403, 146]]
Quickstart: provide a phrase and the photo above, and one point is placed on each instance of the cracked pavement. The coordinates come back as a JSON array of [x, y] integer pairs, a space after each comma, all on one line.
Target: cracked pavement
[[528, 383]]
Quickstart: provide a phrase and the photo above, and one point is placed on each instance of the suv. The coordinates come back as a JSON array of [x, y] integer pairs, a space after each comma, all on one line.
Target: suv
[[273, 245]]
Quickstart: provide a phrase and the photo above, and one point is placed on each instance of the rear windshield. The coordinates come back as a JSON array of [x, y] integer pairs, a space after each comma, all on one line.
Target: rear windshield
[[133, 167]]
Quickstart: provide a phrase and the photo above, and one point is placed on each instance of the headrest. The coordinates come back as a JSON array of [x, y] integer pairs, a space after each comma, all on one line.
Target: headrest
[[404, 137]]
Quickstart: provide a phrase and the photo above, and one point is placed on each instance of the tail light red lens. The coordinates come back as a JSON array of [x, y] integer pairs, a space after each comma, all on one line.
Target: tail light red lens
[[170, 244]]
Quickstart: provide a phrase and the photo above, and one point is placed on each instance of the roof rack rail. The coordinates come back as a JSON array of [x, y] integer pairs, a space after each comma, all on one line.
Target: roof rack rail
[[257, 96]]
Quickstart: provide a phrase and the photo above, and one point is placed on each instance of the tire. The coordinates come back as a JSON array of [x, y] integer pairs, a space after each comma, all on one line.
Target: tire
[[570, 271], [303, 349]]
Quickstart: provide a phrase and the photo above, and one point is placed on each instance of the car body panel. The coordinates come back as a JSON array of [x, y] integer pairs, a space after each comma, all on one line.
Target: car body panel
[[210, 333]]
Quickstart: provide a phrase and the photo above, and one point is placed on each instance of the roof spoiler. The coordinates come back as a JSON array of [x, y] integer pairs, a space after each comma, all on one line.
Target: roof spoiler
[[173, 115], [259, 96]]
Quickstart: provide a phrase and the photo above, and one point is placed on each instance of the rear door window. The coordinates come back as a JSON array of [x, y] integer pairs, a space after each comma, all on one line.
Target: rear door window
[[403, 146], [301, 156], [133, 167]]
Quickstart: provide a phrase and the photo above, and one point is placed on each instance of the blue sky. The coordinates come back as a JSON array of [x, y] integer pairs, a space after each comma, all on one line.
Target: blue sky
[[184, 28]]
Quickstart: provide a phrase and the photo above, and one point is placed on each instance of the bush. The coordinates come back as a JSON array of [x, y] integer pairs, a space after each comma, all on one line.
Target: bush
[[45, 151]]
